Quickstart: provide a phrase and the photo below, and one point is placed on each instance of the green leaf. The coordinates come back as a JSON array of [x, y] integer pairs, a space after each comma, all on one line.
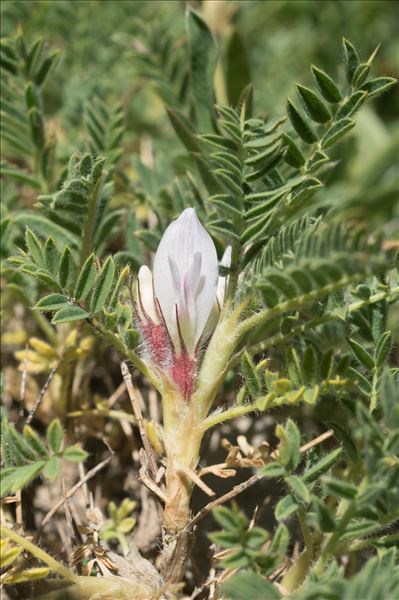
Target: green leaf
[[361, 354], [293, 156], [272, 469], [280, 540], [55, 435], [52, 302], [236, 559], [35, 248], [326, 85], [228, 519], [338, 487], [361, 74], [336, 132], [51, 256], [19, 447], [47, 65], [9, 555], [351, 59], [44, 226], [316, 109], [86, 279], [103, 286], [299, 488], [70, 313], [289, 448], [300, 125], [294, 367], [351, 105], [37, 127], [309, 365], [322, 466], [285, 508], [184, 130], [377, 86], [67, 269], [203, 58], [225, 539], [383, 348], [75, 454], [251, 375], [52, 468], [324, 516], [34, 441], [249, 586], [13, 480]]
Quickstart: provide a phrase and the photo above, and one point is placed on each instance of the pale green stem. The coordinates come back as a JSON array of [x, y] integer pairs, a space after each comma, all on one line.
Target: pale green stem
[[227, 415], [307, 536], [98, 412], [39, 554], [294, 303], [280, 338]]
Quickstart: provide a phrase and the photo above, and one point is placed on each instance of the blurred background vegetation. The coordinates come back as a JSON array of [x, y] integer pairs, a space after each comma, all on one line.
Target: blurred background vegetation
[[271, 43]]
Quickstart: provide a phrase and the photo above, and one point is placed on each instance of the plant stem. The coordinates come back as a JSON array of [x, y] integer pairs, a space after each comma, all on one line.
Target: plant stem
[[129, 354], [295, 303], [39, 554], [226, 415], [307, 537]]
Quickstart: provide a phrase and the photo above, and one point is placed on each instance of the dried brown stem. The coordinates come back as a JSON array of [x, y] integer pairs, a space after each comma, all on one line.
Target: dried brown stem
[[139, 418], [44, 389]]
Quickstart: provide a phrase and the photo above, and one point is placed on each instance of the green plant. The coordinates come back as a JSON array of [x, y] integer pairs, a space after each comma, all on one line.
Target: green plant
[[270, 294]]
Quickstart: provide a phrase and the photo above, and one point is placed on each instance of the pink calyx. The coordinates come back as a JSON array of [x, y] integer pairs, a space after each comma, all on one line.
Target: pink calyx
[[182, 371], [156, 339]]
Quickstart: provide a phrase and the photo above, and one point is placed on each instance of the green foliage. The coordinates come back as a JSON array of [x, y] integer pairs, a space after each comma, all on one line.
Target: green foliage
[[304, 191], [247, 545], [120, 523], [27, 455]]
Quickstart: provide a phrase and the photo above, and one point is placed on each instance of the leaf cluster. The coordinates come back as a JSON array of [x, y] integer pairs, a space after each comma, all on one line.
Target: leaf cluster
[[27, 455]]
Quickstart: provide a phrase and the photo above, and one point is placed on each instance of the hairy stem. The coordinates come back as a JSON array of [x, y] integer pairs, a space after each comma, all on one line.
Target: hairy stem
[[227, 415], [293, 304], [39, 554]]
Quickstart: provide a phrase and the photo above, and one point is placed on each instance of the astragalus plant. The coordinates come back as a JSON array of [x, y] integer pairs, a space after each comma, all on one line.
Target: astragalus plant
[[257, 293]]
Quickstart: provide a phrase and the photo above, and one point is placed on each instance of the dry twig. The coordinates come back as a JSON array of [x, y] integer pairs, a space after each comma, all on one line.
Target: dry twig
[[238, 489]]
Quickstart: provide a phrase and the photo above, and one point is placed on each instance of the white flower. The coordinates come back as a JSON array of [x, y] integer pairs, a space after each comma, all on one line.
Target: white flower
[[183, 289], [147, 306]]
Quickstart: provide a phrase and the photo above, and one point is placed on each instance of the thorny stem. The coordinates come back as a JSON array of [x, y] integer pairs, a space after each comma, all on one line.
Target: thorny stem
[[39, 554]]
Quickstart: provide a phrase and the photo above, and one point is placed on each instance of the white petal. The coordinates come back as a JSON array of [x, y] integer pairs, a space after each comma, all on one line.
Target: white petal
[[187, 249], [223, 280], [147, 293]]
